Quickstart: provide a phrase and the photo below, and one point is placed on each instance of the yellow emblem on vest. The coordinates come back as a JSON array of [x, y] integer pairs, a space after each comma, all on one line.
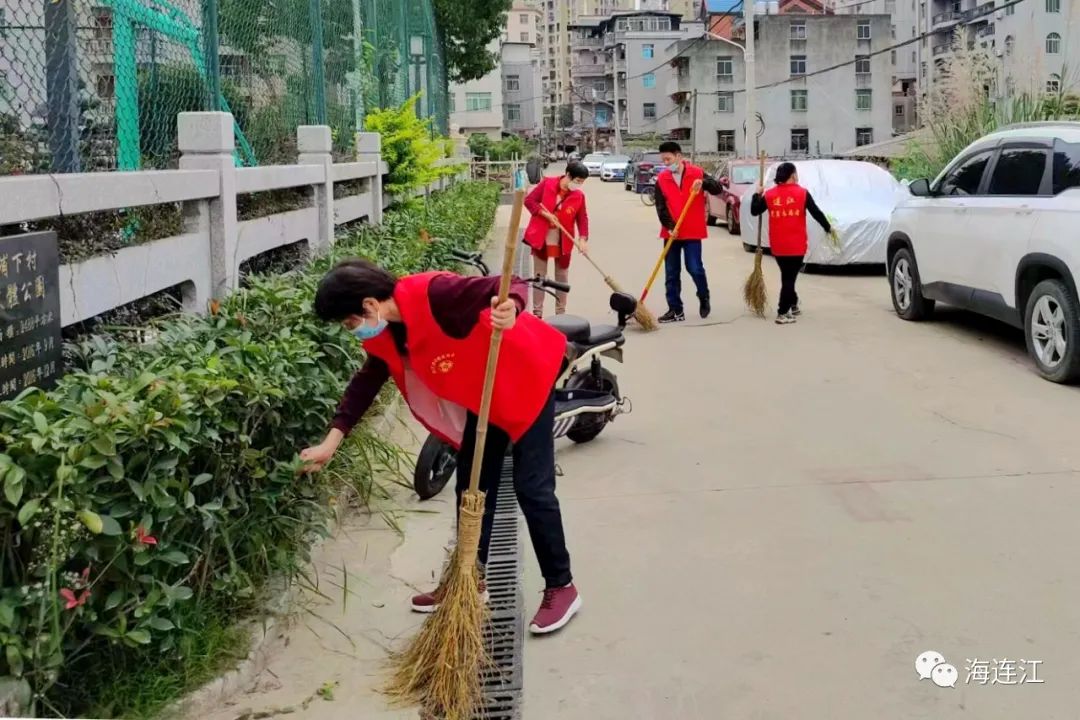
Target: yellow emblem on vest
[[442, 364]]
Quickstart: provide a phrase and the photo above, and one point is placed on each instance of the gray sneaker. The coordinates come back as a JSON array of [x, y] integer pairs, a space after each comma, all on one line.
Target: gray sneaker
[[785, 319], [795, 310]]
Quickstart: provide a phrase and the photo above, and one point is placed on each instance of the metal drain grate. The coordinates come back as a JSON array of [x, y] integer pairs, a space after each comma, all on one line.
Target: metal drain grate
[[503, 682]]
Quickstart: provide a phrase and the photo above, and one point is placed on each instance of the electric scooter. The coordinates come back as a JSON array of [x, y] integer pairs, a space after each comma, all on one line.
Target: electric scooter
[[587, 396]]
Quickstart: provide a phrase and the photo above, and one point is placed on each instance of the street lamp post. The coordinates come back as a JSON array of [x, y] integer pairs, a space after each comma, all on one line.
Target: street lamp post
[[748, 59]]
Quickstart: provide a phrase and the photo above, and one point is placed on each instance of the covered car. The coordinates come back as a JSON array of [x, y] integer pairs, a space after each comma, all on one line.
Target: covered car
[[614, 167], [857, 197]]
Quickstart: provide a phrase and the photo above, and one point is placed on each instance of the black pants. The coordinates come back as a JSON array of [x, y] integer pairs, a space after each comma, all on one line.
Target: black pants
[[790, 265], [534, 482]]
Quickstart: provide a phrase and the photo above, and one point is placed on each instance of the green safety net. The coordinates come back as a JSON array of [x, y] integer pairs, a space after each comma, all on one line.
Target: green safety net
[[92, 85]]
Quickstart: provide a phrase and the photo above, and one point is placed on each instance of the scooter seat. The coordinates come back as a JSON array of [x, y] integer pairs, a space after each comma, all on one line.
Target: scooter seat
[[601, 334], [576, 329]]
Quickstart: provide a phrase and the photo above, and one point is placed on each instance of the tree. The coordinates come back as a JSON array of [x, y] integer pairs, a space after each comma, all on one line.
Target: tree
[[468, 27]]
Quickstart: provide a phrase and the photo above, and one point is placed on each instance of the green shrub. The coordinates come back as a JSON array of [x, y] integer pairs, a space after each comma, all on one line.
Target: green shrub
[[161, 477], [409, 148]]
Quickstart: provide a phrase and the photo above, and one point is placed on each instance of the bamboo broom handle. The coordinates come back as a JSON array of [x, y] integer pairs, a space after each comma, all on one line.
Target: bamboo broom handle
[[577, 244], [761, 182], [667, 246], [496, 341]]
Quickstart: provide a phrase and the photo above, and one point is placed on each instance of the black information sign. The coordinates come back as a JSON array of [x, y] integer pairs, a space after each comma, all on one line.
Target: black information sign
[[30, 342]]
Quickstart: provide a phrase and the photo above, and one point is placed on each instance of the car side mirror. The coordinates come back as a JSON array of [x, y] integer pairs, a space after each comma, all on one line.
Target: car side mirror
[[920, 188]]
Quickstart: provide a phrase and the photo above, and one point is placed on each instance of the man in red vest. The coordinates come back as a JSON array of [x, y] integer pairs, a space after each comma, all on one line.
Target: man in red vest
[[788, 204], [674, 185], [430, 333]]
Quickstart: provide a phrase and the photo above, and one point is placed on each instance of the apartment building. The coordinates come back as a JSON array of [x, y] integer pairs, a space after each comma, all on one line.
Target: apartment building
[[807, 110], [523, 25], [476, 107], [522, 89], [625, 47]]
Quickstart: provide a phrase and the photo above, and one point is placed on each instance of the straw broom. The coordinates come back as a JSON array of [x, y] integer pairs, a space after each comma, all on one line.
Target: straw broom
[[667, 246], [440, 669], [645, 318], [754, 292]]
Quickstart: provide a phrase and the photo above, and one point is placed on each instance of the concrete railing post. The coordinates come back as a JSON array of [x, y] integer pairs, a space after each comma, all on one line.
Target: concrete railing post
[[206, 143], [315, 144], [369, 149]]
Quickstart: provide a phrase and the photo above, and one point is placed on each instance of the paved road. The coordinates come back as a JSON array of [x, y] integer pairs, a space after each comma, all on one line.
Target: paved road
[[792, 514]]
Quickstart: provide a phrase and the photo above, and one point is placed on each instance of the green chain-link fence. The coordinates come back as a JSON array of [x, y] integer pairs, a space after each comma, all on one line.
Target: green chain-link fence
[[96, 84]]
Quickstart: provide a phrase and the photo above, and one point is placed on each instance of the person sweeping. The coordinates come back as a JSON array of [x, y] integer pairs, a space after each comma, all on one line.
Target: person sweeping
[[679, 183], [788, 204], [430, 333], [555, 202]]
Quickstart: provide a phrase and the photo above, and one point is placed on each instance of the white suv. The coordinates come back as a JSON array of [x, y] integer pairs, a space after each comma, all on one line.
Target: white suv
[[998, 233]]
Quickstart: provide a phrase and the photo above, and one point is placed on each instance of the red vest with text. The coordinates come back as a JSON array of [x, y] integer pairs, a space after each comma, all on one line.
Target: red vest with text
[[694, 227], [566, 208], [787, 219], [442, 377]]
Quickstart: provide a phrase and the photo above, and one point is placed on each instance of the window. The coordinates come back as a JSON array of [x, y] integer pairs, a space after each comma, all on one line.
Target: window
[[726, 102], [477, 101], [513, 112], [725, 141], [1066, 166], [965, 178], [798, 65], [451, 102], [864, 136], [892, 57], [863, 99], [601, 116], [513, 83], [890, 7], [725, 69], [1053, 44], [799, 100], [892, 31], [106, 86], [648, 80], [862, 64], [648, 110], [800, 141], [898, 110], [647, 51], [798, 30], [524, 19], [913, 58], [525, 37], [862, 30], [1053, 6], [1009, 43], [1010, 9], [1053, 85], [1019, 171]]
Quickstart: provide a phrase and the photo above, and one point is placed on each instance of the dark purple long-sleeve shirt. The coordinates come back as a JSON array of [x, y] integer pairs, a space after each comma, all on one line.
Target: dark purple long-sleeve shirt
[[456, 302]]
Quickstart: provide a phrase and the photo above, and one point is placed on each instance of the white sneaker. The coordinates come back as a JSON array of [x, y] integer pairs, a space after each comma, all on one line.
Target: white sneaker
[[796, 311], [785, 319]]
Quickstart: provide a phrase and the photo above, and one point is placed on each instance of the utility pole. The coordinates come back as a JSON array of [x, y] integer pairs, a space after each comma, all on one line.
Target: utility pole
[[358, 59], [693, 128], [618, 129], [751, 82], [594, 120]]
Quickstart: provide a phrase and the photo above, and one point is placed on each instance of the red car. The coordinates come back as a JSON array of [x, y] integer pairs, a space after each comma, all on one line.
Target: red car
[[737, 176]]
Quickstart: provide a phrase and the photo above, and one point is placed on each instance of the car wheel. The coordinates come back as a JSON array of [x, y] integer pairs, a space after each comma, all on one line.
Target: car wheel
[[732, 223], [712, 220], [907, 297], [1052, 329]]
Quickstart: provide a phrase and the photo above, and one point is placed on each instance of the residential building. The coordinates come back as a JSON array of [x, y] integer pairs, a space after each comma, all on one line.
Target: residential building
[[476, 107], [522, 95], [627, 45], [523, 25], [805, 108]]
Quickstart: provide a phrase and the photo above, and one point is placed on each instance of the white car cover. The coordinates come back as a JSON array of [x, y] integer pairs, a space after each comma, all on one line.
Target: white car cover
[[857, 197]]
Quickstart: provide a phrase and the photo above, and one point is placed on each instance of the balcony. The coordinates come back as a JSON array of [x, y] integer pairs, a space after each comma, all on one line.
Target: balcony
[[587, 70], [100, 46], [982, 13], [946, 20], [589, 42], [864, 80], [939, 50], [986, 30]]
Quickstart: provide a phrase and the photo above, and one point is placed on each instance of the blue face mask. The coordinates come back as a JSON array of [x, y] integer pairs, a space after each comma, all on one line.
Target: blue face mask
[[363, 331], [675, 167]]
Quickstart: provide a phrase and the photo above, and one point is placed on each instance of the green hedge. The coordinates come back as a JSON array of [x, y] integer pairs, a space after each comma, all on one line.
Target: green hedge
[[161, 478]]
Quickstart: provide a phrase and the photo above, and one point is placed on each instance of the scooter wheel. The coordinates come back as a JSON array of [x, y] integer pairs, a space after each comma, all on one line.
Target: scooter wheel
[[587, 427], [435, 465]]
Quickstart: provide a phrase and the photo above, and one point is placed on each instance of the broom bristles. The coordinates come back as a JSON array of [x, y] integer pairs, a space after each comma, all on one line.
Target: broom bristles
[[754, 291], [441, 668]]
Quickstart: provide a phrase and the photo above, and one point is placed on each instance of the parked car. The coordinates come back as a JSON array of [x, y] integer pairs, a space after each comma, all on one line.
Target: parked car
[[642, 170], [593, 161], [858, 197], [737, 176], [614, 168], [995, 233]]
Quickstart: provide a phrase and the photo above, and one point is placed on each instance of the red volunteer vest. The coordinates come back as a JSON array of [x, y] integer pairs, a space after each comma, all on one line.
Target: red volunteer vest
[[787, 219], [565, 209], [442, 377], [694, 227]]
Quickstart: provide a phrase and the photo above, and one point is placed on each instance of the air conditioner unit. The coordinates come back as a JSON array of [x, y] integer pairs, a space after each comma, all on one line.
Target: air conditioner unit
[[999, 14]]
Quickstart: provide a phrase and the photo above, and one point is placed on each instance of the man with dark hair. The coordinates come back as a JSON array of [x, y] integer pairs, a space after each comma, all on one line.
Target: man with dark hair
[[674, 185], [430, 333], [555, 201], [788, 204]]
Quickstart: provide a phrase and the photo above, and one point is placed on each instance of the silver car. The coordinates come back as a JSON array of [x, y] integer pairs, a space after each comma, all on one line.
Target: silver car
[[594, 161], [614, 168]]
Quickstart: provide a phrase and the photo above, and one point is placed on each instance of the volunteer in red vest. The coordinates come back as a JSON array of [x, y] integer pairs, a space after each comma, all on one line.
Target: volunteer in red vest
[[788, 204], [430, 333], [556, 198], [673, 187]]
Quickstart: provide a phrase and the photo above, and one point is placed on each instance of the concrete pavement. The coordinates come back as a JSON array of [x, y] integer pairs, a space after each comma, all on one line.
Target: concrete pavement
[[790, 516]]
